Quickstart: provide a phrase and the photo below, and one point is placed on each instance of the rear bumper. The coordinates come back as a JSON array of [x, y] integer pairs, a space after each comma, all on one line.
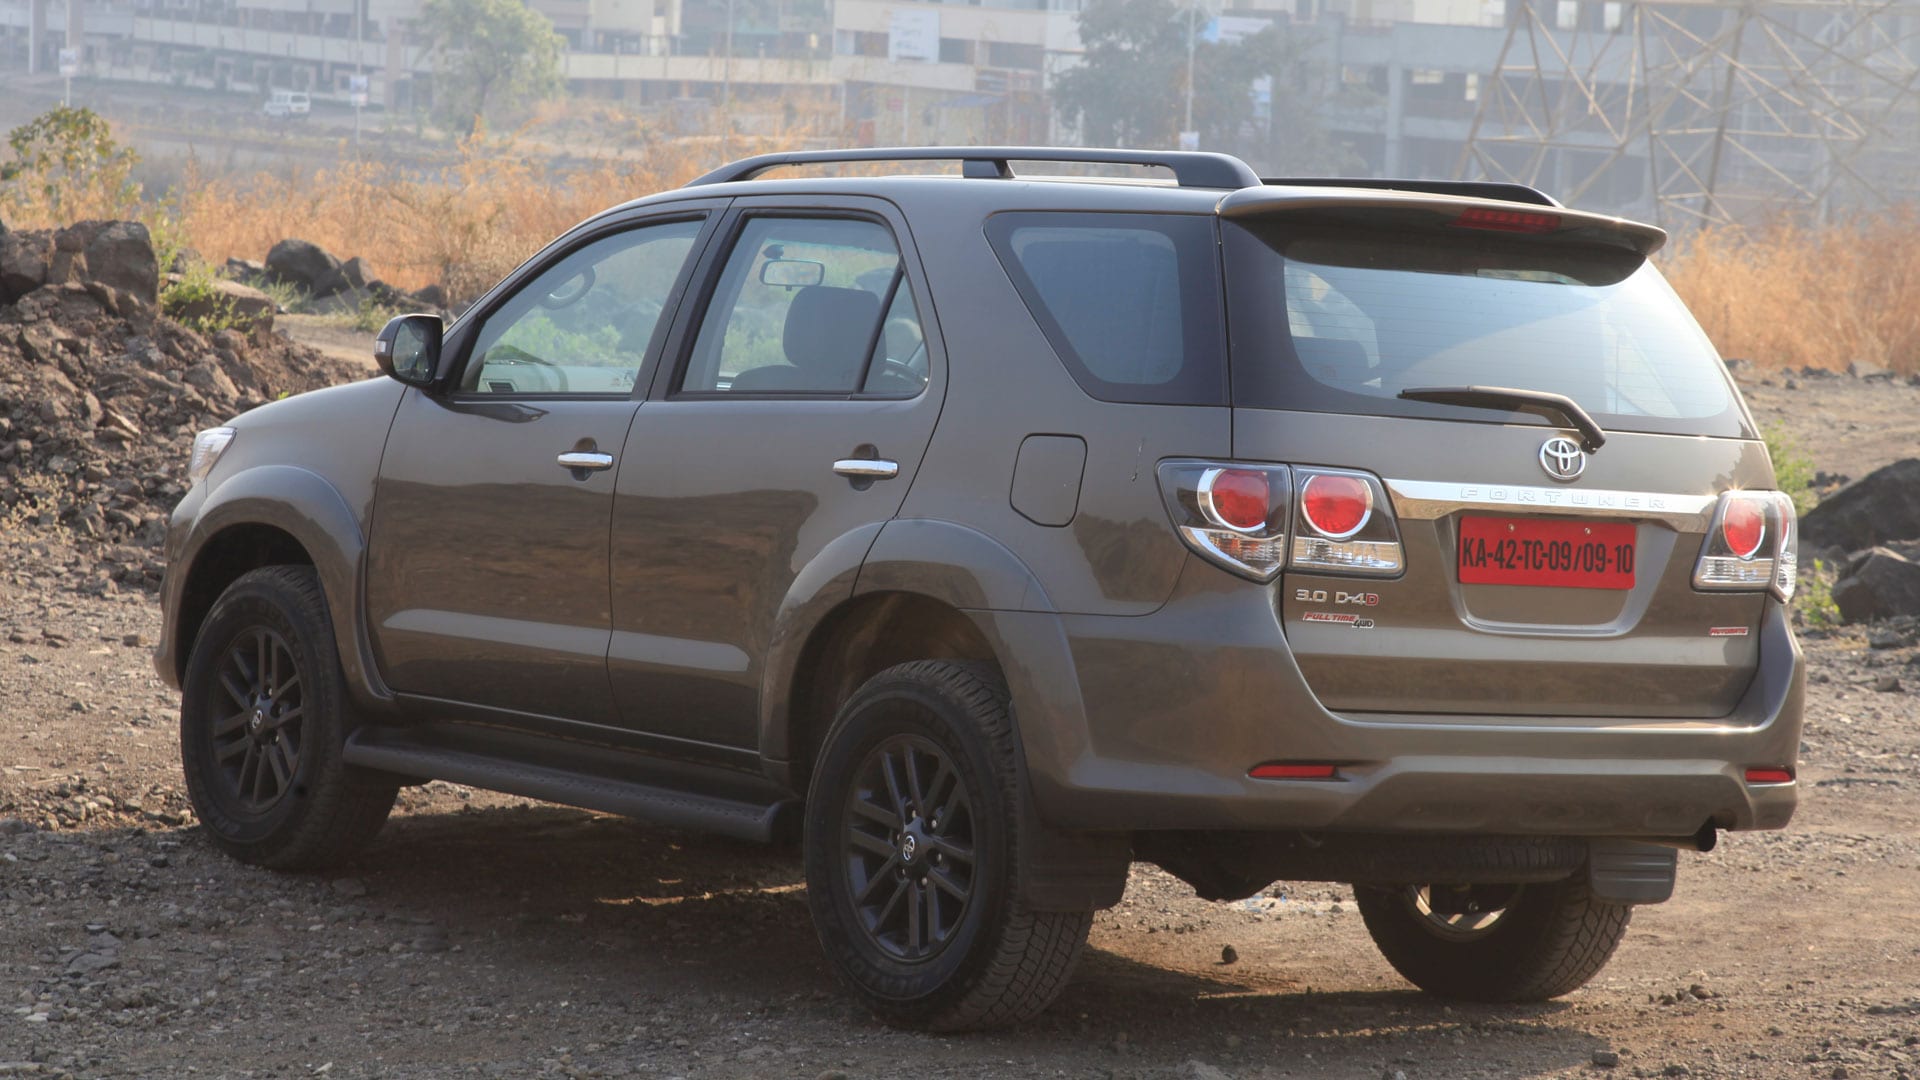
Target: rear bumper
[[1162, 731]]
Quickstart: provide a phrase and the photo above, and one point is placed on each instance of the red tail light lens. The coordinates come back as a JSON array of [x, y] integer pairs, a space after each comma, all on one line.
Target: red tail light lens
[[1336, 506], [1519, 221], [1237, 498], [1743, 526], [1764, 775]]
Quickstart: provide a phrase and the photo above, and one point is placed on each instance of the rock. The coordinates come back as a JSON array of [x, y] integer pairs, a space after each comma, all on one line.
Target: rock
[[244, 269], [1887, 684], [434, 295], [23, 263], [349, 887], [1881, 506], [1195, 1069], [356, 273], [1878, 584], [249, 306], [305, 266], [1229, 955], [1867, 369], [1606, 1059], [120, 254]]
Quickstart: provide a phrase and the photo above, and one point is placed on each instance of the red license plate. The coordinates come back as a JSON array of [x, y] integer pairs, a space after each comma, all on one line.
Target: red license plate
[[1540, 551]]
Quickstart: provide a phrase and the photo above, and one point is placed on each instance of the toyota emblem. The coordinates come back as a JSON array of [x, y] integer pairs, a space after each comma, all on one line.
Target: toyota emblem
[[1562, 458]]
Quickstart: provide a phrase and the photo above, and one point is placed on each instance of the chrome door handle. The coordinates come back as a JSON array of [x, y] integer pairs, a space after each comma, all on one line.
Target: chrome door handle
[[586, 459], [867, 468]]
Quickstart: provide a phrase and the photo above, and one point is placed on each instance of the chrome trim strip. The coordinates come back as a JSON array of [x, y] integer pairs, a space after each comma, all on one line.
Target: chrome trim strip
[[1427, 500]]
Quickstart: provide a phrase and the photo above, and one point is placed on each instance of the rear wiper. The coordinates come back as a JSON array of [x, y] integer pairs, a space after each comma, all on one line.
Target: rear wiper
[[1552, 406]]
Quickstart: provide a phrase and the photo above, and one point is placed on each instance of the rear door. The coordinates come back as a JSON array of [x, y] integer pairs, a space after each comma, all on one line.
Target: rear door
[[805, 391], [1539, 578]]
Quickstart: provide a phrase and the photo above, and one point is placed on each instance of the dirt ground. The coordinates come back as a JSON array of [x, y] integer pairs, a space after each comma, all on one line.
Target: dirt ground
[[490, 936]]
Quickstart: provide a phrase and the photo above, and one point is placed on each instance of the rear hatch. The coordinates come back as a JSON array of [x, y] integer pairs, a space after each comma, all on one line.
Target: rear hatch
[[1538, 577]]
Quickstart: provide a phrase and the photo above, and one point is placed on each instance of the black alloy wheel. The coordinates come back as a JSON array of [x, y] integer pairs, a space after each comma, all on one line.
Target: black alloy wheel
[[908, 847], [264, 720], [258, 719], [916, 832]]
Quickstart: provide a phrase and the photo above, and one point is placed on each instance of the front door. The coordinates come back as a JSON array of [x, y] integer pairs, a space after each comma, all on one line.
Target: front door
[[798, 412], [487, 565]]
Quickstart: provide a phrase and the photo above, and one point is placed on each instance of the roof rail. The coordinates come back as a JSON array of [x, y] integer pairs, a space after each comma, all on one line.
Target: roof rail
[[1478, 189], [1189, 168]]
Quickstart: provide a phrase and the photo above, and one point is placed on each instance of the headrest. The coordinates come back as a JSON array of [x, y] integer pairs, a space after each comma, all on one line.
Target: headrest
[[828, 333]]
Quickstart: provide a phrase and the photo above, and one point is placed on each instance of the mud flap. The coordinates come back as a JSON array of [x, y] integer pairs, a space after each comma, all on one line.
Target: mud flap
[[1624, 872]]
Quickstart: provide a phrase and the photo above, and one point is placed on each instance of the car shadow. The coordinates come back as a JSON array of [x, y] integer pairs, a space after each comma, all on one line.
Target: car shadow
[[616, 910]]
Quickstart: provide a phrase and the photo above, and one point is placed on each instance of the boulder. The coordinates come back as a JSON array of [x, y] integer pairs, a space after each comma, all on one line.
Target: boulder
[[120, 255], [356, 273], [305, 266], [1881, 506], [23, 263], [245, 270], [1878, 584], [434, 295]]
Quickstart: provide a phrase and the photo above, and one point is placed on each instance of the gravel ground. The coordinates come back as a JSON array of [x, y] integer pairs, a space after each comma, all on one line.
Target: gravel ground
[[486, 935]]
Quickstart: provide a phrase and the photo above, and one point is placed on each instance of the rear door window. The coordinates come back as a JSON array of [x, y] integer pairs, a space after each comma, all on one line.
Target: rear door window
[[1129, 302], [818, 306], [1344, 323]]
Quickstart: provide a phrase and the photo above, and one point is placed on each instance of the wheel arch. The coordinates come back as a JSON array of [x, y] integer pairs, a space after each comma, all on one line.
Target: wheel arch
[[854, 642], [877, 596], [259, 517]]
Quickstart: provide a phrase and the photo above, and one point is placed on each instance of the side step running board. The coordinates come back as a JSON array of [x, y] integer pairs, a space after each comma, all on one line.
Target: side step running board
[[590, 778]]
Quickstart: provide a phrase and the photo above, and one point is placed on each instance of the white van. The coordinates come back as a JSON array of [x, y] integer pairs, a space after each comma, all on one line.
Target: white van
[[285, 103]]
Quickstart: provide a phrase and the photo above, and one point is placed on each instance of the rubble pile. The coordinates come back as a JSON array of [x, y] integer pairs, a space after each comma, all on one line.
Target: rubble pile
[[101, 394]]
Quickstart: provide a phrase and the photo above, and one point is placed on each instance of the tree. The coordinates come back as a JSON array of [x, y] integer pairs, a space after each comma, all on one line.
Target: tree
[[1127, 91], [1131, 88], [67, 166], [489, 54]]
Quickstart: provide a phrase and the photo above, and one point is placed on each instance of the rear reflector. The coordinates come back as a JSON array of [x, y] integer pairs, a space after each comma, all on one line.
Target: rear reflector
[[1287, 770], [1769, 776], [1519, 221]]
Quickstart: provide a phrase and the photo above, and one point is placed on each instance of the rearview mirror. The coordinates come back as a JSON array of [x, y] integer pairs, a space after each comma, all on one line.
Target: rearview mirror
[[408, 349], [792, 273]]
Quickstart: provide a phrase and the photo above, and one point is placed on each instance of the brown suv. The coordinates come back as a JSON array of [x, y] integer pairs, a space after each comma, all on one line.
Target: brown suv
[[992, 531]]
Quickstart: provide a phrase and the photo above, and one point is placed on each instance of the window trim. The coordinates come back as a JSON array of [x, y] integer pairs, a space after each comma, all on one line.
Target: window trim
[[999, 230], [726, 241], [473, 323]]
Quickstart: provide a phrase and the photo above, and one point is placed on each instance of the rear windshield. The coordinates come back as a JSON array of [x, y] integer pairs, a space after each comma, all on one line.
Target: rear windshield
[[1326, 322]]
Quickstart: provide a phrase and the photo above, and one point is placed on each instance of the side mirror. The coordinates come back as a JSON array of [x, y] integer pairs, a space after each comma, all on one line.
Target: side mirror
[[408, 349]]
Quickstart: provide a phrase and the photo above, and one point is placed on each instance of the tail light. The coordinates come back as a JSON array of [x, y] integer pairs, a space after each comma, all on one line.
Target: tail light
[[1519, 221], [1242, 517], [1345, 525], [1232, 515], [1753, 545]]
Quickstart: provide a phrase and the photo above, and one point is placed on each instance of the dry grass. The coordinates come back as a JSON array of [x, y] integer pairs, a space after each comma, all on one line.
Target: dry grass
[[492, 208], [1791, 295]]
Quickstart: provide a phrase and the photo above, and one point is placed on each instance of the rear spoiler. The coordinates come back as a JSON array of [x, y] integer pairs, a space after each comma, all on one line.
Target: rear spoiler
[[1425, 210]]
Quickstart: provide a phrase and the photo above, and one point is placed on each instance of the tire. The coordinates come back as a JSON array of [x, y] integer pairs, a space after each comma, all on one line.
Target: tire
[[1547, 940], [263, 756], [884, 873]]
